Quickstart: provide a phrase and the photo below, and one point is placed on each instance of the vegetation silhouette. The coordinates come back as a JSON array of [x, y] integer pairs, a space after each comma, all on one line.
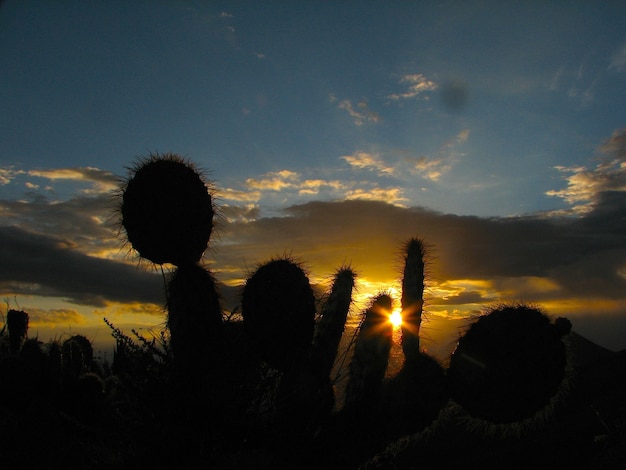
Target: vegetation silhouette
[[256, 389]]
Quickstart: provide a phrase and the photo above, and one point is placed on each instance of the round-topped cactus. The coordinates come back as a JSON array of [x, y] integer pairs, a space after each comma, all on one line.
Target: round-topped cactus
[[509, 364], [278, 308], [167, 210]]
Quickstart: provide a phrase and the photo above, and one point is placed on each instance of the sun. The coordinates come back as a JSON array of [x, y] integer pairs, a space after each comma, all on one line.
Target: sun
[[396, 318]]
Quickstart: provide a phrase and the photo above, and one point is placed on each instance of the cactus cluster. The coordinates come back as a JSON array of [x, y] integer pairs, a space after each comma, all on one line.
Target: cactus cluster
[[222, 391], [513, 352]]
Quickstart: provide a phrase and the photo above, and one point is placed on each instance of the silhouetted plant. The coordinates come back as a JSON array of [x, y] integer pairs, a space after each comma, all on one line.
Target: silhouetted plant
[[166, 210], [17, 324], [508, 364], [194, 319], [284, 358], [77, 355], [331, 324], [278, 308], [371, 355], [412, 298]]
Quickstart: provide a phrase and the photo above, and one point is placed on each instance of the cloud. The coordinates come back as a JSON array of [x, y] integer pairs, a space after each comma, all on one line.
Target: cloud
[[361, 114], [238, 195], [530, 258], [433, 169], [38, 317], [429, 169], [274, 181], [417, 84], [7, 175], [34, 264], [101, 181], [388, 195], [585, 187], [88, 223], [246, 213], [368, 161]]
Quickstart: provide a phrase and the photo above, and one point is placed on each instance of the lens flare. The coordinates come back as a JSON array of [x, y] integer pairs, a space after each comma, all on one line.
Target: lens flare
[[396, 318]]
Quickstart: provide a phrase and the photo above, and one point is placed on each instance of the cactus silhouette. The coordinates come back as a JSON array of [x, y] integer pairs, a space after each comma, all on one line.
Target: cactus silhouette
[[412, 297], [331, 325], [17, 324], [166, 210], [509, 364], [167, 214], [278, 308], [371, 355], [194, 318]]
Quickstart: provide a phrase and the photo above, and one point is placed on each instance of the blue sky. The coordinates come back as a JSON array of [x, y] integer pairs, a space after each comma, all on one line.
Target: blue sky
[[332, 130]]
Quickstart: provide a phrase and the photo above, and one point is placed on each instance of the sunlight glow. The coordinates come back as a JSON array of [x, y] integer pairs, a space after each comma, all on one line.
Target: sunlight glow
[[396, 318]]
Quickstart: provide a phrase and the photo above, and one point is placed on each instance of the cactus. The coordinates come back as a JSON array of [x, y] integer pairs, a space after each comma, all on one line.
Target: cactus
[[278, 308], [332, 322], [412, 298], [17, 324], [167, 214], [371, 355], [166, 210], [509, 364], [194, 319]]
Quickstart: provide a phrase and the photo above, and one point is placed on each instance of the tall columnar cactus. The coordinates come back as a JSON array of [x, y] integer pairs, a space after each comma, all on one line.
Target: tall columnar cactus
[[371, 355], [509, 364], [412, 298], [332, 322], [17, 323], [306, 395], [278, 308]]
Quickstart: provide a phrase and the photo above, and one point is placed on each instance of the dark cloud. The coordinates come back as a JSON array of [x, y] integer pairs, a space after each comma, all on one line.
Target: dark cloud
[[581, 255], [467, 297], [88, 222], [34, 264]]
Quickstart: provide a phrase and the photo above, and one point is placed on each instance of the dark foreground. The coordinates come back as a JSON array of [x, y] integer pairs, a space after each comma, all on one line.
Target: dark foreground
[[587, 430]]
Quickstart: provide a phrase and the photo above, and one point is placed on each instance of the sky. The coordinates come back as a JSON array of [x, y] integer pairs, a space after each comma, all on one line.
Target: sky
[[331, 132]]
